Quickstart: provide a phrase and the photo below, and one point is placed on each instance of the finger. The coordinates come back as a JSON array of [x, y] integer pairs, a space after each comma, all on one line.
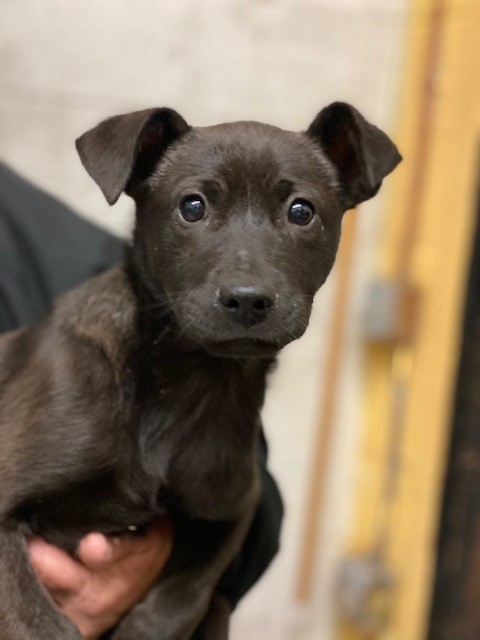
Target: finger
[[55, 569], [95, 551], [98, 552]]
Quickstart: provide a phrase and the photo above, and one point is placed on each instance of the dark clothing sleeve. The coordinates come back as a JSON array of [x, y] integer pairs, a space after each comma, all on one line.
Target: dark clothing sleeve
[[46, 249], [262, 541]]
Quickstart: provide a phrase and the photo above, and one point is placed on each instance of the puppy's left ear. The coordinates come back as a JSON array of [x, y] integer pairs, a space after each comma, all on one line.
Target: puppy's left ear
[[361, 153]]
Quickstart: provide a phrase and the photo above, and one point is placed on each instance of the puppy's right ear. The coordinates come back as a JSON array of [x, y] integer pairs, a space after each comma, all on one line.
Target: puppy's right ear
[[126, 148]]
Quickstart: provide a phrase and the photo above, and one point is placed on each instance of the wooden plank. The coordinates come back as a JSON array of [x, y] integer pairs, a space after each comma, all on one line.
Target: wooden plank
[[436, 267], [324, 429]]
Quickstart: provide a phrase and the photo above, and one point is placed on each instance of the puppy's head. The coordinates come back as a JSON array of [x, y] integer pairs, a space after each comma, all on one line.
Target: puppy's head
[[238, 224]]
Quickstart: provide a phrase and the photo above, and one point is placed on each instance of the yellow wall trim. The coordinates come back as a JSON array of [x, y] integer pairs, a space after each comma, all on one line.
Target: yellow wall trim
[[406, 517]]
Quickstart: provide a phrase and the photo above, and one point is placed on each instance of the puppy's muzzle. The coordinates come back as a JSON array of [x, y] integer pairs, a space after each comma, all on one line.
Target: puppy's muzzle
[[246, 305]]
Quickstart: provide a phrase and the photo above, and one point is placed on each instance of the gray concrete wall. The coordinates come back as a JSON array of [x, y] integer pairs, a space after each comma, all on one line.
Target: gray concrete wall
[[65, 65]]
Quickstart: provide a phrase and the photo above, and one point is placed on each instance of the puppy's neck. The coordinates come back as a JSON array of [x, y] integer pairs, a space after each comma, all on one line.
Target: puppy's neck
[[154, 316], [189, 396]]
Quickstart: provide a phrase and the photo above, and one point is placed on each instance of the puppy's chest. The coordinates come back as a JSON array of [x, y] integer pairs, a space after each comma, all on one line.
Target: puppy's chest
[[189, 450], [200, 454]]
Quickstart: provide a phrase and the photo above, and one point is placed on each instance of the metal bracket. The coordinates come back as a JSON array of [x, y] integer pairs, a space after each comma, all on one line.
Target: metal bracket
[[365, 592]]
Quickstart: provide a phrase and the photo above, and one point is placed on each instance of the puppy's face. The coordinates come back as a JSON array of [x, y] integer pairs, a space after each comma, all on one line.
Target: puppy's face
[[238, 224]]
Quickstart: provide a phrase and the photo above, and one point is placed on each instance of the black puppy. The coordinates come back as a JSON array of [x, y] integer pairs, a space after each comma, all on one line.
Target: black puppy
[[140, 393]]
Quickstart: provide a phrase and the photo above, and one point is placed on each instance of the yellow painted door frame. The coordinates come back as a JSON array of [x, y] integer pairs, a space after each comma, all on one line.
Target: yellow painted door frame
[[426, 247]]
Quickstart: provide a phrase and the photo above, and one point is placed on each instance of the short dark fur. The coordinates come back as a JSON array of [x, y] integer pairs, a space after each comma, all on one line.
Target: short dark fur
[[140, 393]]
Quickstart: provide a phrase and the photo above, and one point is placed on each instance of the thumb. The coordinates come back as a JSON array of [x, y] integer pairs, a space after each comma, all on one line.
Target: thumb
[[96, 551]]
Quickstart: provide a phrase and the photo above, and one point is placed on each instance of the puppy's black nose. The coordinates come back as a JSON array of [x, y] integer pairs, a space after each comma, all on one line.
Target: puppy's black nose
[[246, 305]]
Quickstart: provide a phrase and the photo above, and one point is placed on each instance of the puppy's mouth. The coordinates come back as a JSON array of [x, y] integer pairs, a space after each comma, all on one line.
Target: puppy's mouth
[[224, 333], [242, 348]]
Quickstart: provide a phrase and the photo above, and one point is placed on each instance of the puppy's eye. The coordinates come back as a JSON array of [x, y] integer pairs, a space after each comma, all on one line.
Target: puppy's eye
[[192, 208], [301, 212]]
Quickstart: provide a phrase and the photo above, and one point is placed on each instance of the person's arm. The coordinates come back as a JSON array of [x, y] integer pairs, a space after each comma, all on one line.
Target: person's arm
[[45, 249], [262, 542]]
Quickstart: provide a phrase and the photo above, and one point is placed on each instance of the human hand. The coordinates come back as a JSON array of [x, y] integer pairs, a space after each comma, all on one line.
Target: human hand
[[110, 576]]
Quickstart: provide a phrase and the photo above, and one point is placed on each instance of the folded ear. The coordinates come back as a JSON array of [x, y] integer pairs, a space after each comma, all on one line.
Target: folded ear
[[127, 147], [362, 154]]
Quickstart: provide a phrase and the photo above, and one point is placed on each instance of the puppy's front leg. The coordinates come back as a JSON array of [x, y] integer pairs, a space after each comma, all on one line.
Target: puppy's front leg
[[177, 606], [26, 611]]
